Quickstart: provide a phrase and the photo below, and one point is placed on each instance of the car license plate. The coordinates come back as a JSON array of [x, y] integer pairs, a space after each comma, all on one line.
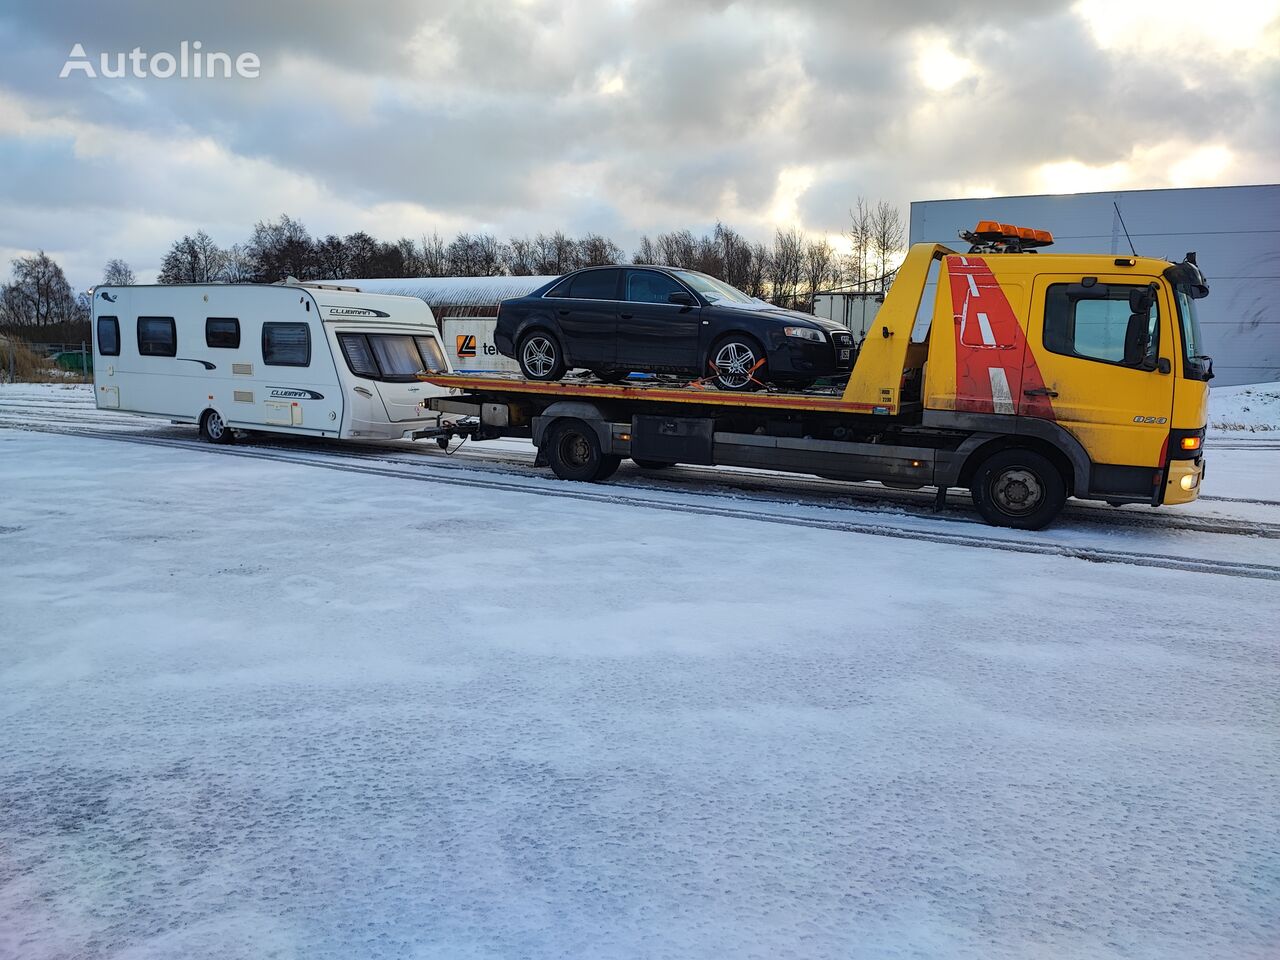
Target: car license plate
[[844, 354]]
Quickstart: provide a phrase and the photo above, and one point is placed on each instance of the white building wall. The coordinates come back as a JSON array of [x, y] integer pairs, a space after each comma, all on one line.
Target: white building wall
[[1235, 232]]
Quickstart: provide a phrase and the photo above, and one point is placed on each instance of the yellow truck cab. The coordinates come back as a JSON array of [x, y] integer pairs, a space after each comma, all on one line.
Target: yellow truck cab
[[1039, 377], [1094, 362]]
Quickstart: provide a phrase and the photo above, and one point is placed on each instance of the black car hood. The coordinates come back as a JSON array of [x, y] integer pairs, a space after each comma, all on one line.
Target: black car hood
[[782, 313]]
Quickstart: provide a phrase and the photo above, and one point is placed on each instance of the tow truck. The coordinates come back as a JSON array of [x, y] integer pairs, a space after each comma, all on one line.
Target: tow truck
[[1037, 377]]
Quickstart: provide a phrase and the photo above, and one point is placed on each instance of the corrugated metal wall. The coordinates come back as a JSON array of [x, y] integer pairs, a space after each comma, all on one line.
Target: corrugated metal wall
[[1235, 232], [468, 296]]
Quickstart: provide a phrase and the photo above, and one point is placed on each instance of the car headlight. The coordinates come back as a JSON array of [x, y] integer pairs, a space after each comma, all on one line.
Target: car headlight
[[805, 333]]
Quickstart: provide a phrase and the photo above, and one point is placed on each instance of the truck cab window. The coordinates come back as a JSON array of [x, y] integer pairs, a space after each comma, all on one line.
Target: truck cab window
[[1093, 323], [109, 336]]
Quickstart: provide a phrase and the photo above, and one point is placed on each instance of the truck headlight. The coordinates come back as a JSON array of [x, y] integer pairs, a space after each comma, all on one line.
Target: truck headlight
[[805, 333]]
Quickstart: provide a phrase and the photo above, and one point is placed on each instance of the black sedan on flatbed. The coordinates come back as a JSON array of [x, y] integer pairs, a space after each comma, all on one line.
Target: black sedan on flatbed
[[616, 320]]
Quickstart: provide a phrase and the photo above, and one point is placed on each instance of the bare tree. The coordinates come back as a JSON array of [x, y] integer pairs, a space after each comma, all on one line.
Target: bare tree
[[38, 300], [433, 256], [237, 265], [411, 258], [332, 258], [887, 236], [597, 251], [819, 267], [554, 253], [860, 258], [786, 264], [193, 259], [755, 281], [475, 255], [117, 273], [280, 249], [646, 252], [734, 255], [520, 257]]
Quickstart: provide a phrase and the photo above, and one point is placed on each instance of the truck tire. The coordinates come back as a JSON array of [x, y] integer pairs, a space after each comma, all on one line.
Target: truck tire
[[573, 451], [540, 356], [1018, 488], [214, 429], [732, 356]]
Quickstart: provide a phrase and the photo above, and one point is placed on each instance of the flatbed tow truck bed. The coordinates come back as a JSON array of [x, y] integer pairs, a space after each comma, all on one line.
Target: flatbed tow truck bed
[[656, 392]]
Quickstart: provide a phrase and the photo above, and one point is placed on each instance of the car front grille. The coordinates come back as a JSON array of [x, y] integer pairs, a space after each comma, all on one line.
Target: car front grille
[[843, 342]]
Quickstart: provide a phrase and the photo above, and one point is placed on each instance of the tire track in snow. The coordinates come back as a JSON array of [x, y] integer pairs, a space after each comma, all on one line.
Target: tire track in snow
[[563, 490]]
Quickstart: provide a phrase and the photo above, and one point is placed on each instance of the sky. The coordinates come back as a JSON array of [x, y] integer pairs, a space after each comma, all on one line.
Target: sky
[[618, 116]]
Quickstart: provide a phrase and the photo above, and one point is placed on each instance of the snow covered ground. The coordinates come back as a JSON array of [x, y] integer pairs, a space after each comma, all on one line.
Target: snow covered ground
[[1254, 408], [255, 708]]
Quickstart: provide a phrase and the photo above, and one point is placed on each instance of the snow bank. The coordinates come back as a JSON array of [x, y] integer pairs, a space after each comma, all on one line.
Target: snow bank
[[1252, 408]]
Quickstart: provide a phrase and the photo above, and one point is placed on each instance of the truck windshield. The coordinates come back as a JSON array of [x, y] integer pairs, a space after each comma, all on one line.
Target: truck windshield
[[1189, 286]]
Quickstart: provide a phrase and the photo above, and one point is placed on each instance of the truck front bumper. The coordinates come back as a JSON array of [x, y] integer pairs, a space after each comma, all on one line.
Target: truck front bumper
[[1183, 483]]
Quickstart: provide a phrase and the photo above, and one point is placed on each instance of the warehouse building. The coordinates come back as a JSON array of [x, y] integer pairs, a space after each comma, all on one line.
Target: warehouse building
[[1235, 232]]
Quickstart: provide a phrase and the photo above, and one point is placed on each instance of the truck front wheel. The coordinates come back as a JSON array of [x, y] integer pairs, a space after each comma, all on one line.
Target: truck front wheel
[[573, 451], [1018, 488]]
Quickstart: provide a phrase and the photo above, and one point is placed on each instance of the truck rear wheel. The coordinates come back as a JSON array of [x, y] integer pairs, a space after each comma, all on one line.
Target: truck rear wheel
[[214, 429], [573, 451], [1018, 488]]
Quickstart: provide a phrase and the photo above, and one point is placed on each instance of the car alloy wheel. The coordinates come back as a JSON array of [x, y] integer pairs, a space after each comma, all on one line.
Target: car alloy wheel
[[538, 356], [735, 363]]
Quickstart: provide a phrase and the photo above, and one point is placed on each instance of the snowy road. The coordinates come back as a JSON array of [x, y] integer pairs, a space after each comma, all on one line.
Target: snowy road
[[301, 703]]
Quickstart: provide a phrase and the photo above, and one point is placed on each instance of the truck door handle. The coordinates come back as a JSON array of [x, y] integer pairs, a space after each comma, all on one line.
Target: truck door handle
[[563, 313], [1040, 392], [625, 316]]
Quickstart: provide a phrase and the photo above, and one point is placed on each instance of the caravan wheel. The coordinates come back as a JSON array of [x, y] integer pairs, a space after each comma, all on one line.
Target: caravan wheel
[[213, 429]]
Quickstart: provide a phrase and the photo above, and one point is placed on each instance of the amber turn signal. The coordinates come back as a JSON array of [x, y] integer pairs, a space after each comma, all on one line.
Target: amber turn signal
[[1190, 443]]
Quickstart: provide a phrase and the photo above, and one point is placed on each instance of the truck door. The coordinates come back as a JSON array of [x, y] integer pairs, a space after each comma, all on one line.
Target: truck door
[[1105, 364]]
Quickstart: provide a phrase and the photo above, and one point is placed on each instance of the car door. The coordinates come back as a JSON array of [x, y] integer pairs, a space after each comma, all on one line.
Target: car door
[[587, 313], [652, 331], [1118, 407]]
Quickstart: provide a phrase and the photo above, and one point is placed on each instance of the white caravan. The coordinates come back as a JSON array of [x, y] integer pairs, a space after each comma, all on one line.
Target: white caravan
[[288, 358]]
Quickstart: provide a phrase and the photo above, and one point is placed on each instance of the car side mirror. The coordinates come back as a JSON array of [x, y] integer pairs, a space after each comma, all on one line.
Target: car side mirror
[[682, 298]]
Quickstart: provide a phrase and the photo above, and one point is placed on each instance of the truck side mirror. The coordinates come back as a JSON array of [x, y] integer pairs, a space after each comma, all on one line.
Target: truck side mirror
[[1141, 300], [1137, 339]]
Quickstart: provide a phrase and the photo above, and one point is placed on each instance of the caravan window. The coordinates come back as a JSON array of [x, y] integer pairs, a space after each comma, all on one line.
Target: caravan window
[[109, 336], [388, 356], [157, 337], [397, 356], [286, 344], [222, 332], [432, 356], [359, 357]]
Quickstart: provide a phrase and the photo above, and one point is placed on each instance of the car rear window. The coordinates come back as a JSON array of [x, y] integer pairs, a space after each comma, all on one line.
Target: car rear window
[[595, 285]]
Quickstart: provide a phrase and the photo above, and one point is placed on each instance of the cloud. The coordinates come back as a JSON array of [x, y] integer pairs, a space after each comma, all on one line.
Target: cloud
[[611, 115]]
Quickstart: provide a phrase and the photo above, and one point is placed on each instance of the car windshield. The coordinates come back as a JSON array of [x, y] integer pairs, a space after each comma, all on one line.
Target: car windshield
[[711, 288]]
